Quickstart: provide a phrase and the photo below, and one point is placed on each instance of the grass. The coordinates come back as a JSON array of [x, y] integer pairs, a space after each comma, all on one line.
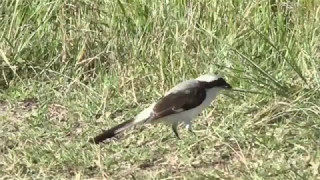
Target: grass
[[72, 68]]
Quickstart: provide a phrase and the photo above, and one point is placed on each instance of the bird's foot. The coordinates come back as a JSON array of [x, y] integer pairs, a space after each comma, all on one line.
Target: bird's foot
[[188, 126], [174, 128]]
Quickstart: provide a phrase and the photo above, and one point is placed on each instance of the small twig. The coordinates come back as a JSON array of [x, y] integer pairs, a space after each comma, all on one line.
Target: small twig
[[250, 91]]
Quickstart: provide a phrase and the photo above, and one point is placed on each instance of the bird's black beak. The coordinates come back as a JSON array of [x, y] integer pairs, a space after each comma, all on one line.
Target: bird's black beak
[[227, 86]]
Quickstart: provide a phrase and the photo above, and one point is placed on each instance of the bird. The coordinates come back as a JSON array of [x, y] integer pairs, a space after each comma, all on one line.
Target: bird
[[180, 104]]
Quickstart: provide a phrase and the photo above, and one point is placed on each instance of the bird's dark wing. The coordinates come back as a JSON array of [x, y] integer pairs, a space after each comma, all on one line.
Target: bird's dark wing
[[179, 101]]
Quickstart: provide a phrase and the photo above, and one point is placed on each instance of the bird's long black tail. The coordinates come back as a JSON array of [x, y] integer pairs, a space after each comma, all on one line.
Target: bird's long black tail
[[112, 132]]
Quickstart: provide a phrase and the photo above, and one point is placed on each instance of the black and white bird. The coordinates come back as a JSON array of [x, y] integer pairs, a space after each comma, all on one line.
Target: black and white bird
[[182, 103]]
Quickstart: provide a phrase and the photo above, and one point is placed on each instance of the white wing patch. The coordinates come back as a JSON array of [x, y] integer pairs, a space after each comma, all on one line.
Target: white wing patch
[[145, 114], [187, 91], [178, 110]]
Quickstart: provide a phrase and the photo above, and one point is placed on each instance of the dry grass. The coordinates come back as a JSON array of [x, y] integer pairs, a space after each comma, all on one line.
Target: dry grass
[[71, 69]]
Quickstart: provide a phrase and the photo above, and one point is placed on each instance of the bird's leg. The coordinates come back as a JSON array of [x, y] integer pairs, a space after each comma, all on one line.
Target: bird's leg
[[174, 128], [188, 126]]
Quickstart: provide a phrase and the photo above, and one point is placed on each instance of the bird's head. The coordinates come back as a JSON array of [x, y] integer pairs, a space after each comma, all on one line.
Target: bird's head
[[213, 81]]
